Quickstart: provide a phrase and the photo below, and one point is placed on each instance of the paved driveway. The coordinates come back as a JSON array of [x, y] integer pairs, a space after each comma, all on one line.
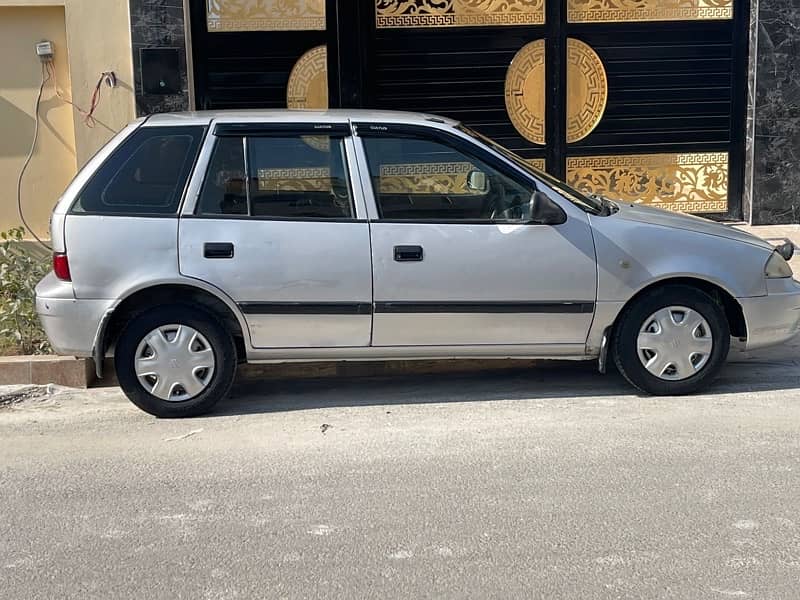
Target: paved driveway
[[539, 484]]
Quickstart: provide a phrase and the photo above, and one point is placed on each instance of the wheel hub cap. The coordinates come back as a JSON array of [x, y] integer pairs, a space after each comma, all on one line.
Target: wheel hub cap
[[674, 343], [174, 363]]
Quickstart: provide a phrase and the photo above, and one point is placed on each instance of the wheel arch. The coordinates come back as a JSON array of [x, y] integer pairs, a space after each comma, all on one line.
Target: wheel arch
[[731, 307], [169, 292]]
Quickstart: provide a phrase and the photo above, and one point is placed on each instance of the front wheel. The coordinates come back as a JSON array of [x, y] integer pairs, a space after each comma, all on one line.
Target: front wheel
[[175, 361], [672, 341]]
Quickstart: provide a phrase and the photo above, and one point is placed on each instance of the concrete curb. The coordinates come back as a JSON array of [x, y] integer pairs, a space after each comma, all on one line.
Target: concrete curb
[[79, 372], [41, 370]]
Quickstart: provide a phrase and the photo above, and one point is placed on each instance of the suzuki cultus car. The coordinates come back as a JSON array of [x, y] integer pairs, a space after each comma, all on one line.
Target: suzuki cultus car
[[195, 242]]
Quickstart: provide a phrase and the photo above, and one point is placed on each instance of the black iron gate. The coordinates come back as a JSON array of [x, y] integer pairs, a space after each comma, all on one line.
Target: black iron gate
[[242, 59], [644, 103]]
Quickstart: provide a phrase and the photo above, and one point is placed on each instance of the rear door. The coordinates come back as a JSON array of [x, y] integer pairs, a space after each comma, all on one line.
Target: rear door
[[456, 261], [276, 226]]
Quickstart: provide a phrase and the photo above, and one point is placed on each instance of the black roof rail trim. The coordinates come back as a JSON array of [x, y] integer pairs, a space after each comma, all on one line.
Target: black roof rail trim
[[365, 128], [255, 129]]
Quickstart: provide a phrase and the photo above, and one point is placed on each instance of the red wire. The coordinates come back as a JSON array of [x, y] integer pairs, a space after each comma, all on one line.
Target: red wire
[[88, 115]]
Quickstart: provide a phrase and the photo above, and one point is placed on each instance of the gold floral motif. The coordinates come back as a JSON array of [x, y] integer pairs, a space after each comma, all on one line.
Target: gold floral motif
[[696, 182], [312, 179], [426, 178], [265, 15], [610, 11], [457, 13], [587, 91]]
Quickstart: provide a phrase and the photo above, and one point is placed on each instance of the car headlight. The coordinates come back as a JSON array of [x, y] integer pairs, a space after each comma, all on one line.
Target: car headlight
[[777, 267]]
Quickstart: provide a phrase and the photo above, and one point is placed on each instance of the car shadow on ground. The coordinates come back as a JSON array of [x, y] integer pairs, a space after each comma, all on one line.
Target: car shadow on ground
[[744, 373]]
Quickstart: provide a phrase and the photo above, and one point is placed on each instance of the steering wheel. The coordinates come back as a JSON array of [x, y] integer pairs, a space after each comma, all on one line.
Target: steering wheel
[[516, 212]]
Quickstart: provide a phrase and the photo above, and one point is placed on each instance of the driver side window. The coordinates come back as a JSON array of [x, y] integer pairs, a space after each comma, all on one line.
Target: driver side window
[[418, 179]]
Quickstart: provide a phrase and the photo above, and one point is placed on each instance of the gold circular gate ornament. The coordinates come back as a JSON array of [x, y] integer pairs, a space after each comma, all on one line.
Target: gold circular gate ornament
[[525, 91], [308, 88], [308, 81], [587, 91]]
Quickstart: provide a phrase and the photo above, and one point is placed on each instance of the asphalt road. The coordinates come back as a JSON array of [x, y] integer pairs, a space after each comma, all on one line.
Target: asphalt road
[[540, 484]]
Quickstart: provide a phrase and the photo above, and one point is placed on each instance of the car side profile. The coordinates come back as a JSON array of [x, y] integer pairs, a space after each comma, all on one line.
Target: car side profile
[[194, 242]]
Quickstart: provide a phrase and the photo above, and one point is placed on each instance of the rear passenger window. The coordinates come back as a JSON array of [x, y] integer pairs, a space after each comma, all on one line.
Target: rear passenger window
[[225, 188], [145, 175], [287, 177]]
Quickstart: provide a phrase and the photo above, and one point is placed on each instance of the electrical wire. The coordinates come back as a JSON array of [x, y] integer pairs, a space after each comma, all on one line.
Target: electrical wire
[[52, 70], [45, 79], [88, 115]]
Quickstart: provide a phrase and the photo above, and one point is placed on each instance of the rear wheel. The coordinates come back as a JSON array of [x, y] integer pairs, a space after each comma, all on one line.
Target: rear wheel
[[671, 341], [175, 361]]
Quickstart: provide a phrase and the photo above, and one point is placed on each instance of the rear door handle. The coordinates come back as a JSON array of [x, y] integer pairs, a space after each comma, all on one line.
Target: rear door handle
[[218, 250], [408, 253]]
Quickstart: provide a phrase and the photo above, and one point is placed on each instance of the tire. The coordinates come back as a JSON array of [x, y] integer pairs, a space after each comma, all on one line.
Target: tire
[[216, 376], [630, 352]]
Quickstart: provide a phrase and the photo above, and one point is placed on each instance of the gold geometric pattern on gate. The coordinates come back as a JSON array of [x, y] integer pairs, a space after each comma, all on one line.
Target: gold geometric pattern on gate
[[406, 178], [307, 88], [587, 91], [610, 11], [308, 80], [309, 179], [691, 182], [265, 15], [426, 178], [457, 13], [537, 163], [525, 91]]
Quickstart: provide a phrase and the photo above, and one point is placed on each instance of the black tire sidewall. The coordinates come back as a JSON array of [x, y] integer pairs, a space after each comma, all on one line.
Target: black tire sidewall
[[207, 324], [626, 334]]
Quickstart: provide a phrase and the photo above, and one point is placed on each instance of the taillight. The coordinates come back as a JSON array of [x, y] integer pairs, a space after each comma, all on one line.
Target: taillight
[[61, 266]]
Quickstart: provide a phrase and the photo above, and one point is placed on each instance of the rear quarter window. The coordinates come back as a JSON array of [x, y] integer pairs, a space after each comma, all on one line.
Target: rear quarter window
[[146, 175]]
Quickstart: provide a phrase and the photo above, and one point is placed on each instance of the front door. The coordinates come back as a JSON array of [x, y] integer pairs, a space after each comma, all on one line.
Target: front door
[[276, 228], [455, 262]]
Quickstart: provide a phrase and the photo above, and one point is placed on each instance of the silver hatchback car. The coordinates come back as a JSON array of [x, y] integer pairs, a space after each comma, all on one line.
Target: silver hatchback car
[[194, 242]]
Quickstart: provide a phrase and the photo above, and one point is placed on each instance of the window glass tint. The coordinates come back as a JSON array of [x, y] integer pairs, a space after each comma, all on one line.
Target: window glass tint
[[298, 177], [582, 201], [225, 188], [422, 179], [145, 175]]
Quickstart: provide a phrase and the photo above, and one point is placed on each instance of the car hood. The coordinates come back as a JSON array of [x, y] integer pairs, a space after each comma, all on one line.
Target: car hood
[[655, 216]]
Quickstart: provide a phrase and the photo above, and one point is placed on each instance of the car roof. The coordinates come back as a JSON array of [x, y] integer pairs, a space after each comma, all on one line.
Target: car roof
[[296, 116]]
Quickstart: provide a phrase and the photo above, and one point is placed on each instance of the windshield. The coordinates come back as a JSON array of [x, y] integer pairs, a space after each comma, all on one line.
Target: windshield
[[586, 203]]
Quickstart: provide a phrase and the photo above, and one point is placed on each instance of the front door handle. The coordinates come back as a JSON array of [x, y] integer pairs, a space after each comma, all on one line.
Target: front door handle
[[218, 250], [408, 253]]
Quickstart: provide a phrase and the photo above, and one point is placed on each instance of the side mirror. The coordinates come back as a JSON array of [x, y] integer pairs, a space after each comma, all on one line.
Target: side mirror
[[546, 212], [477, 182]]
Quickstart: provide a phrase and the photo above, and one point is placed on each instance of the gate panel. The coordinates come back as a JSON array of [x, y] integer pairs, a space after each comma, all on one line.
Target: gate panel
[[653, 105], [243, 51]]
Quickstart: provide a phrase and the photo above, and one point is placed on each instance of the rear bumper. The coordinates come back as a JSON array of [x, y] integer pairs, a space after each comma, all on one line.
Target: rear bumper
[[71, 325], [774, 318]]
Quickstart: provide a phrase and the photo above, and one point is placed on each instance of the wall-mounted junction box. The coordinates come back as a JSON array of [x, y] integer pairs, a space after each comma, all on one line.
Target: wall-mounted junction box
[[45, 50]]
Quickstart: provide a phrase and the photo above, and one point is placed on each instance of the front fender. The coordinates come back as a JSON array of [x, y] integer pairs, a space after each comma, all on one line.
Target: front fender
[[633, 255]]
